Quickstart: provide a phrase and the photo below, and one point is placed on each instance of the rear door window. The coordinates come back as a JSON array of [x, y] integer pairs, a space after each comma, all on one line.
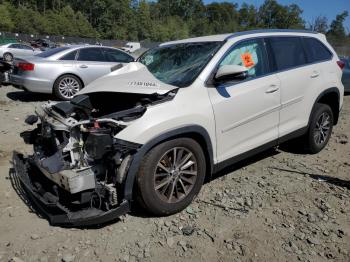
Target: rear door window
[[113, 55], [316, 51], [70, 56], [17, 46], [288, 52], [91, 54], [26, 47]]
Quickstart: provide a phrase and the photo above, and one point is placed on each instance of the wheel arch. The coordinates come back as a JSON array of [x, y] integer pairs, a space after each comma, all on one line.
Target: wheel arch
[[331, 97], [198, 133]]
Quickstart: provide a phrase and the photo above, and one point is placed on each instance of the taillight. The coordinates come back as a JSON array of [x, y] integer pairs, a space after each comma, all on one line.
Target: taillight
[[341, 64], [26, 66]]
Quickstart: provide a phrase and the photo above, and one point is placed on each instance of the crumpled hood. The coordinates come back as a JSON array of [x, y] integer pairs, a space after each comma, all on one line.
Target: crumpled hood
[[132, 78]]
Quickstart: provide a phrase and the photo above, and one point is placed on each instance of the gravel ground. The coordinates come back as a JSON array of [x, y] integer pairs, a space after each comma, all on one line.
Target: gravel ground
[[277, 206]]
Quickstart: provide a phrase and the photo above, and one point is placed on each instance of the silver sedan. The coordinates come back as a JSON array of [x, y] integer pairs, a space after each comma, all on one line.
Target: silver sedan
[[63, 71], [9, 51]]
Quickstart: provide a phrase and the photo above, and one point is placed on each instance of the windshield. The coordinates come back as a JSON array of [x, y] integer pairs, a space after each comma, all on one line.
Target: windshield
[[52, 52], [179, 64]]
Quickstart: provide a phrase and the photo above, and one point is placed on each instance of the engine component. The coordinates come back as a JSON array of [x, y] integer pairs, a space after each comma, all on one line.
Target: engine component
[[112, 194], [98, 143]]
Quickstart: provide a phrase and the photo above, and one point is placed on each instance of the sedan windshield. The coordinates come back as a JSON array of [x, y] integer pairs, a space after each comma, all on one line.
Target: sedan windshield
[[179, 64], [52, 52]]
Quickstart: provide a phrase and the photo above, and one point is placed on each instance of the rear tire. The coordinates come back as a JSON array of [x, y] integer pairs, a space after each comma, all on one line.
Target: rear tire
[[320, 128], [66, 87], [8, 57], [167, 184]]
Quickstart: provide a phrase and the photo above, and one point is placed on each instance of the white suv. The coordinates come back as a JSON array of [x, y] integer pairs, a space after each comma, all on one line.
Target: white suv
[[154, 129]]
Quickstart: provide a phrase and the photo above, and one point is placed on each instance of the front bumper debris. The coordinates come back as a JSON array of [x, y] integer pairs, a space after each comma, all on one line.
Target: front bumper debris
[[48, 205]]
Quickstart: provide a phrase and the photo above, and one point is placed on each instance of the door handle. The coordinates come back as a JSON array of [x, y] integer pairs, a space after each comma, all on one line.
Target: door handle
[[272, 89], [83, 66], [315, 74]]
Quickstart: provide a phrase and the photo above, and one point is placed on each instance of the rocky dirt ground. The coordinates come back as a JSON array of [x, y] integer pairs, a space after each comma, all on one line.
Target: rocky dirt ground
[[278, 206]]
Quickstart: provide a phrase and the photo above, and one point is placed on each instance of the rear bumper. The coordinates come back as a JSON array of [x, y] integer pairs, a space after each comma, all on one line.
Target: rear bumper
[[48, 205], [31, 84]]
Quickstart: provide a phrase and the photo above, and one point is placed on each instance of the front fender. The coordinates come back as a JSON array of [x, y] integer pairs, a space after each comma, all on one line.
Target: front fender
[[179, 132]]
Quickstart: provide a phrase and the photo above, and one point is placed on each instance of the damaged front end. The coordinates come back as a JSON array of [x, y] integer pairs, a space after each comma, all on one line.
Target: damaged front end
[[78, 170]]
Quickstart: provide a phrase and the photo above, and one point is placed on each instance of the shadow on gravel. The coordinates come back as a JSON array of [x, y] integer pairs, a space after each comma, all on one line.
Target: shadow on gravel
[[294, 147], [321, 178], [25, 96], [244, 163]]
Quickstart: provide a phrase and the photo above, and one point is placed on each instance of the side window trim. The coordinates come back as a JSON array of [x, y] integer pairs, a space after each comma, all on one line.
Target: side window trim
[[210, 78]]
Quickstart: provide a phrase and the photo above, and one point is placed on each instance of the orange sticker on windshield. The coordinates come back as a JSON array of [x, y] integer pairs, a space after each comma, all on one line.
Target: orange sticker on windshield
[[247, 60]]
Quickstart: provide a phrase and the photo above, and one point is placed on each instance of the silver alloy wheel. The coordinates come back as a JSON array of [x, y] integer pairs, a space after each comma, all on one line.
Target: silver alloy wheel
[[175, 174], [321, 131], [8, 57], [68, 87]]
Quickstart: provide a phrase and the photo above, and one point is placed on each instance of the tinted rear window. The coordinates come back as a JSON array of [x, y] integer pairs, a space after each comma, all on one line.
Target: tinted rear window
[[316, 51], [113, 55], [52, 52], [91, 54], [69, 56], [288, 52]]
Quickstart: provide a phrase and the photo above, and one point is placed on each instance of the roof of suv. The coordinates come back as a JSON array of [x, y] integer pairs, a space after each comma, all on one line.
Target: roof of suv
[[224, 37]]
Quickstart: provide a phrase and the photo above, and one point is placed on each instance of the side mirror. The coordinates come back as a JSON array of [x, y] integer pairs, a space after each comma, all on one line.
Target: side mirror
[[231, 72]]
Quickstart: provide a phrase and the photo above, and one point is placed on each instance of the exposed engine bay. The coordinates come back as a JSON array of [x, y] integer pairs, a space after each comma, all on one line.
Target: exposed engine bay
[[82, 164]]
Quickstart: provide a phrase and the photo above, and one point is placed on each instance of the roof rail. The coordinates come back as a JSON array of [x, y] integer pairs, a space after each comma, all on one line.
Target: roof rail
[[269, 31]]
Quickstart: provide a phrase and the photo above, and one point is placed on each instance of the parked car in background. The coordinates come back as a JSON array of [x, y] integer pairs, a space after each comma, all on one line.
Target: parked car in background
[[63, 71], [346, 73], [43, 44], [131, 47], [10, 51]]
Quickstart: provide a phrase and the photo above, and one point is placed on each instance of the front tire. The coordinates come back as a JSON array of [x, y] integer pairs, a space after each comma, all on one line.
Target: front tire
[[170, 176], [66, 87], [320, 128]]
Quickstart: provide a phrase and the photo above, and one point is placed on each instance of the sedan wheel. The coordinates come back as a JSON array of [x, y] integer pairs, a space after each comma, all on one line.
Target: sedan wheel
[[8, 57], [68, 87]]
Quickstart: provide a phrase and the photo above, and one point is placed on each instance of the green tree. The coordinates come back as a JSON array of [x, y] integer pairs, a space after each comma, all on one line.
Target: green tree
[[223, 17], [144, 21], [337, 30], [6, 23], [319, 24], [83, 26], [248, 17], [273, 15]]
